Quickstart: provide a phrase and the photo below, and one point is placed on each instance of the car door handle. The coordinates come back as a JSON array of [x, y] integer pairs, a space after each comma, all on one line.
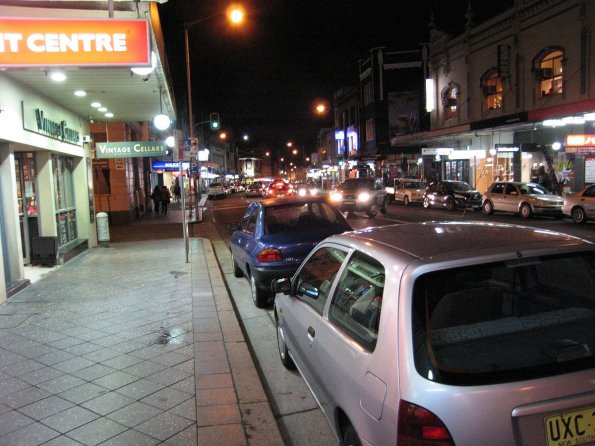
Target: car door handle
[[311, 333]]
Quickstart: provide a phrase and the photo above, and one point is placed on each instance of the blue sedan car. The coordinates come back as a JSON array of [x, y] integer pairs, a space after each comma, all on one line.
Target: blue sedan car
[[275, 235]]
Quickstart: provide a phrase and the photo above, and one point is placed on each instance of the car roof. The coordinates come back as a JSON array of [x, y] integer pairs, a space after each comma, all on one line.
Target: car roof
[[457, 239], [291, 200]]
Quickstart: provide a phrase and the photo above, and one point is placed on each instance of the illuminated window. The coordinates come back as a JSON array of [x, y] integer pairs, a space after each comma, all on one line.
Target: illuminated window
[[369, 130], [492, 91], [450, 102], [549, 73]]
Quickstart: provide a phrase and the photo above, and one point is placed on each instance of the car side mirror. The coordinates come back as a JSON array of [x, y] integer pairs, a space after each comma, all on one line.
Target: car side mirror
[[233, 227], [281, 285]]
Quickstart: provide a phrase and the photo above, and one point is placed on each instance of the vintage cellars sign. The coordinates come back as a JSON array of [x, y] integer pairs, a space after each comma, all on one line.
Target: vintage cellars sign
[[130, 149], [54, 129]]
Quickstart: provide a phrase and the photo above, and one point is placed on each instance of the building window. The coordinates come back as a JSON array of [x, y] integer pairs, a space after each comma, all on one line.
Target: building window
[[450, 102], [369, 130], [64, 199], [491, 86], [549, 73], [368, 94]]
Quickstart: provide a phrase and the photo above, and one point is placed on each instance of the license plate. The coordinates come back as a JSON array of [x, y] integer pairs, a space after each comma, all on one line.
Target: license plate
[[571, 428]]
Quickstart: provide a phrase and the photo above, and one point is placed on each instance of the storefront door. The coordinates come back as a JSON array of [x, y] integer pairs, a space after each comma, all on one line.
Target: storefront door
[[27, 200]]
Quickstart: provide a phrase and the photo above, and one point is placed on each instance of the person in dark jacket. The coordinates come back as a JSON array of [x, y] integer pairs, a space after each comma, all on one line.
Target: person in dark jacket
[[156, 197], [165, 199]]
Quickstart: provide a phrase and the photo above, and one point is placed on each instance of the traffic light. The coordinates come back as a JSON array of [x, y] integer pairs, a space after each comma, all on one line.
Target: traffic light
[[214, 119]]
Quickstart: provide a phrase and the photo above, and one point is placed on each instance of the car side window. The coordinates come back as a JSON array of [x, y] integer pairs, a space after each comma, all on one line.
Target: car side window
[[498, 188], [251, 224], [511, 190], [245, 218], [590, 192], [356, 305], [316, 276]]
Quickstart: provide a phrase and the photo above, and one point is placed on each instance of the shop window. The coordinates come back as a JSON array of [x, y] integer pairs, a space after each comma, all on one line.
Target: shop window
[[369, 130], [491, 87], [63, 168], [548, 72], [450, 102]]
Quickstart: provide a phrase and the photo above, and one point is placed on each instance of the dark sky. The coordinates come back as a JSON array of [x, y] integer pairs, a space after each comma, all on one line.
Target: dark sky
[[263, 79]]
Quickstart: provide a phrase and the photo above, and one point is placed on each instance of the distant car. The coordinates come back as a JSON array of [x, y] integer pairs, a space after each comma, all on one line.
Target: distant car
[[451, 195], [279, 189], [274, 236], [409, 190], [361, 195], [216, 190], [447, 334], [580, 206], [526, 199], [254, 190]]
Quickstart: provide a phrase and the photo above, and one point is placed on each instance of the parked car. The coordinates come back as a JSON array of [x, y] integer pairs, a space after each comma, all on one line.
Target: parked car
[[361, 194], [409, 190], [216, 190], [451, 195], [254, 190], [446, 333], [279, 189], [274, 236], [526, 199], [580, 206]]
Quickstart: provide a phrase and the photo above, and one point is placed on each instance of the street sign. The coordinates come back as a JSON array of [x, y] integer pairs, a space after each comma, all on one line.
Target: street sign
[[190, 149]]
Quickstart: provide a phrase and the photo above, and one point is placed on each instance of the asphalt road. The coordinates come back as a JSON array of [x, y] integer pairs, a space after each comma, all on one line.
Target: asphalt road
[[300, 419]]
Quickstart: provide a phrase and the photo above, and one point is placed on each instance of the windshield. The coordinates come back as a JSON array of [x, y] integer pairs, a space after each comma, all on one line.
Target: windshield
[[357, 183], [457, 186], [507, 321], [414, 185], [532, 189], [297, 217]]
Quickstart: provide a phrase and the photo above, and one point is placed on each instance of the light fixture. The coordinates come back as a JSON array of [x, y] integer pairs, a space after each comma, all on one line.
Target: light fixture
[[109, 115], [57, 76], [430, 96], [589, 117], [170, 141], [161, 121], [102, 109], [556, 145], [145, 71], [553, 123], [96, 104], [80, 93]]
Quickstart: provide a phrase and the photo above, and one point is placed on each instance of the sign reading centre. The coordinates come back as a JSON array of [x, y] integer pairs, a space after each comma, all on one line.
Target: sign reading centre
[[130, 149], [29, 42]]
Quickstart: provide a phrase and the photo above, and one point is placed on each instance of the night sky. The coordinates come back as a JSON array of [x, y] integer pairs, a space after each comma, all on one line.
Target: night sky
[[263, 79]]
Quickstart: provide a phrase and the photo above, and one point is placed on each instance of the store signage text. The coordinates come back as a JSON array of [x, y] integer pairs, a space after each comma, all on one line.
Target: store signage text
[[130, 149], [26, 42], [57, 130], [580, 140]]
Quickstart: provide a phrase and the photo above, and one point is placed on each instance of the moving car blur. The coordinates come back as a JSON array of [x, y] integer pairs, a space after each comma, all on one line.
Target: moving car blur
[[391, 327], [279, 189], [526, 199]]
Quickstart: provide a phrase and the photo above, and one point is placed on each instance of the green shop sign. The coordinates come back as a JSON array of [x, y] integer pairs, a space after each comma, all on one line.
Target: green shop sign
[[130, 149]]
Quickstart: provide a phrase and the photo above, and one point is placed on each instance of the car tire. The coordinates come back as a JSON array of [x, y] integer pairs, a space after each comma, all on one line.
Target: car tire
[[488, 207], [450, 204], [350, 437], [427, 203], [237, 272], [260, 298], [282, 347], [525, 211], [405, 200], [578, 215], [372, 211]]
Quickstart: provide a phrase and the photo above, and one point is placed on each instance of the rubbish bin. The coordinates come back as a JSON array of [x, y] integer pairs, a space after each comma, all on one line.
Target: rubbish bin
[[102, 228]]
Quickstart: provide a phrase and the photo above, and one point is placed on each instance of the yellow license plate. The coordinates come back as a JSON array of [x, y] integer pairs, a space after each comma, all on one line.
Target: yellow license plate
[[571, 428]]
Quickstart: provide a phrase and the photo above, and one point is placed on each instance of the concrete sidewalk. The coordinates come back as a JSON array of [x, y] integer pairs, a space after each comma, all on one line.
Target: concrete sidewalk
[[131, 345]]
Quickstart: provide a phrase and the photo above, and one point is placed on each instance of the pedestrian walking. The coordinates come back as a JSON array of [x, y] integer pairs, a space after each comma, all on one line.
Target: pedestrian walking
[[177, 191], [156, 197], [165, 200]]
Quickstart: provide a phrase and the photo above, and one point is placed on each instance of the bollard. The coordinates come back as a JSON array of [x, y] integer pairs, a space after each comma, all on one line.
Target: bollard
[[102, 228]]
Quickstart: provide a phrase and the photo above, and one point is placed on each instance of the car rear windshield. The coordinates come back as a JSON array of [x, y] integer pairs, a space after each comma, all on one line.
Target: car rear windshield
[[508, 321], [299, 216]]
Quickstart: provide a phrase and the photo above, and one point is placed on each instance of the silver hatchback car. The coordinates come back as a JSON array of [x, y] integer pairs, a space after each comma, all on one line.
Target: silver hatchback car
[[446, 333]]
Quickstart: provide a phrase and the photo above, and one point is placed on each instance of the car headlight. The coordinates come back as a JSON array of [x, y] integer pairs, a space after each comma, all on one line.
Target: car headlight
[[336, 196], [364, 196], [302, 192]]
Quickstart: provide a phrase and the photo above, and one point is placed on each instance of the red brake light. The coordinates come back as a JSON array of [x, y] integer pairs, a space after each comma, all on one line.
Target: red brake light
[[420, 427], [269, 255]]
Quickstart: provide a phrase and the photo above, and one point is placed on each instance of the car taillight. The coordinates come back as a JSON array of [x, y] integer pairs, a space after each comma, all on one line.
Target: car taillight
[[420, 427], [269, 255]]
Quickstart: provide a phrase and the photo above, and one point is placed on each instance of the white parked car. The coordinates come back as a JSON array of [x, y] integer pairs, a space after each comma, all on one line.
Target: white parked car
[[409, 190], [216, 190], [580, 206]]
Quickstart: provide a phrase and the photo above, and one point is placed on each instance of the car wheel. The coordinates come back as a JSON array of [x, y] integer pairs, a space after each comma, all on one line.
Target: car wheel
[[283, 352], [384, 208], [372, 211], [450, 204], [260, 298], [525, 211], [405, 200], [578, 215], [427, 203], [237, 272], [350, 437], [488, 207]]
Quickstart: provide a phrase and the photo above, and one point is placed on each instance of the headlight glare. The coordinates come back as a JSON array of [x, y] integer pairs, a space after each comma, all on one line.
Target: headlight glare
[[364, 196]]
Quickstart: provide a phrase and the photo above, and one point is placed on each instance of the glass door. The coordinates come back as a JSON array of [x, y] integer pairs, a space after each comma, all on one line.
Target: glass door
[[25, 169]]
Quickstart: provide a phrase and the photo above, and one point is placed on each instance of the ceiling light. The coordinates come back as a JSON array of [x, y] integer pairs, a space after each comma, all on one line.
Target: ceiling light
[[109, 115], [57, 76], [553, 123], [95, 104], [80, 93], [556, 145], [144, 71], [161, 121], [102, 109]]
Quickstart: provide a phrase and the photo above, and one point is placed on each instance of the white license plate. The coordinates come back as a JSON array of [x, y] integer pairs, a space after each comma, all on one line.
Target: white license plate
[[570, 428]]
